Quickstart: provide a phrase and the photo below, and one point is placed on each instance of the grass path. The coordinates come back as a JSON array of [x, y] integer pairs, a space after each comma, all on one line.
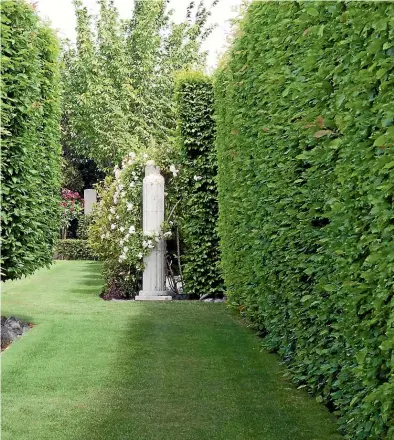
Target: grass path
[[95, 370]]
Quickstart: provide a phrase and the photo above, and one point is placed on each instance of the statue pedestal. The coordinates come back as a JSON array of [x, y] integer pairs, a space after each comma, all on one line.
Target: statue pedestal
[[153, 296], [154, 278]]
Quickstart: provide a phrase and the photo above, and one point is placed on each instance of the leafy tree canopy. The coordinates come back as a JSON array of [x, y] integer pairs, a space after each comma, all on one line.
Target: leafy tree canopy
[[118, 79]]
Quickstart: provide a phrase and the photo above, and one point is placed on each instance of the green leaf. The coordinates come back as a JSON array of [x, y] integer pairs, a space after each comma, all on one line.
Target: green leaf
[[380, 141], [313, 12]]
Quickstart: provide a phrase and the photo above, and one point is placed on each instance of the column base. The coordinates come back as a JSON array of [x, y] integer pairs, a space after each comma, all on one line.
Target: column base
[[153, 296]]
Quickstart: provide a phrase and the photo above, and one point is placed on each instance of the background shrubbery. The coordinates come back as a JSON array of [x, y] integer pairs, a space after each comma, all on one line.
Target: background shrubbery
[[76, 249], [198, 191], [84, 222], [30, 156], [306, 161]]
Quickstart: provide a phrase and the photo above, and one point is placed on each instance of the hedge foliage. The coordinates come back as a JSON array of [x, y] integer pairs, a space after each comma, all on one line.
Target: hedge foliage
[[84, 222], [75, 249], [196, 141], [30, 157], [306, 184]]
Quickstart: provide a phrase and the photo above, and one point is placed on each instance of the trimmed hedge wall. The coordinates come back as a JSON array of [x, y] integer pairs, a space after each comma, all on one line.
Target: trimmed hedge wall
[[199, 210], [74, 249], [305, 110], [30, 156]]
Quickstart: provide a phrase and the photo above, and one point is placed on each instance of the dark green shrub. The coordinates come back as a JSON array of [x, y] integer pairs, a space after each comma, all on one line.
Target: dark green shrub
[[74, 250], [84, 221], [306, 159], [199, 210], [71, 176], [30, 156]]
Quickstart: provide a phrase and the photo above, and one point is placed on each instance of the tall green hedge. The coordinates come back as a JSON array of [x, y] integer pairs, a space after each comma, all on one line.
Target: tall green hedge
[[199, 210], [30, 156], [305, 110]]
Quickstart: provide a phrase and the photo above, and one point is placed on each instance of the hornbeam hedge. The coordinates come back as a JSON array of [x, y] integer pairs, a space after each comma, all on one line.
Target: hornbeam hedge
[[199, 205], [30, 156], [306, 187]]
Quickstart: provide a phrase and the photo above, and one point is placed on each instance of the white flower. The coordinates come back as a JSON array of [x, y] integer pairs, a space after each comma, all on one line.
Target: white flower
[[122, 257], [148, 244], [197, 178], [173, 170], [132, 229], [113, 226], [117, 217], [112, 210], [132, 184], [167, 234], [132, 154], [121, 229], [116, 168], [157, 239], [110, 217], [123, 193], [117, 173], [145, 156], [127, 236], [121, 243], [125, 249], [120, 187], [102, 236], [115, 201], [129, 206], [171, 222], [140, 255]]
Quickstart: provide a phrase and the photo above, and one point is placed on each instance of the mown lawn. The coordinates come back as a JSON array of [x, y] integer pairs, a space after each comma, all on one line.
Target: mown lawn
[[91, 369]]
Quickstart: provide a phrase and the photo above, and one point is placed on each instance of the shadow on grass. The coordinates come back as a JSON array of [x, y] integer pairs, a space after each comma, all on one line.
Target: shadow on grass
[[191, 372], [92, 269], [90, 283]]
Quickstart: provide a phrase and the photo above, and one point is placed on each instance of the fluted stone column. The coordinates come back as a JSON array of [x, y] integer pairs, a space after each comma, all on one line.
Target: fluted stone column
[[154, 278]]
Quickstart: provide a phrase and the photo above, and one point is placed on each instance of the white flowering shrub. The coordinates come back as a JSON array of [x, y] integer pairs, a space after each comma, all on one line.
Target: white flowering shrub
[[116, 234]]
